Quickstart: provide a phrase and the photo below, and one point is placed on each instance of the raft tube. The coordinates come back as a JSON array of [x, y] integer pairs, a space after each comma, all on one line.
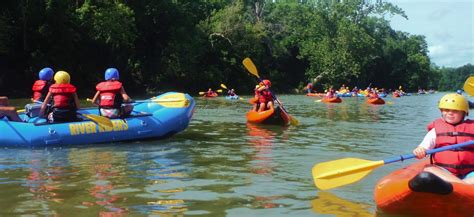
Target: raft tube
[[158, 117], [271, 116], [411, 192]]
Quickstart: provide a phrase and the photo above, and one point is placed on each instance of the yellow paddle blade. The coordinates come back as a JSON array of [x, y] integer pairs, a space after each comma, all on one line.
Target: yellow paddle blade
[[101, 120], [341, 172], [469, 86], [219, 91], [20, 110], [223, 86], [202, 93], [293, 121], [174, 100], [319, 100], [250, 66]]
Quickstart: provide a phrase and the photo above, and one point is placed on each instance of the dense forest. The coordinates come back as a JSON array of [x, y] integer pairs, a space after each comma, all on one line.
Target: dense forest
[[193, 45]]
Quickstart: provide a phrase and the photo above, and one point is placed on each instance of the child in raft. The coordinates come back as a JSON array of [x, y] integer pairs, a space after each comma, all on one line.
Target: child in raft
[[451, 128]]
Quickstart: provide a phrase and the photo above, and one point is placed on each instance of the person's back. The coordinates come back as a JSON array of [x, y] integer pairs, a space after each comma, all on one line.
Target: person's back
[[41, 86], [64, 99], [111, 95]]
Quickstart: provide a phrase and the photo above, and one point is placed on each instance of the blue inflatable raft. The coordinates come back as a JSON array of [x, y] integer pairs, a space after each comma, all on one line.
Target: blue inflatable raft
[[157, 117]]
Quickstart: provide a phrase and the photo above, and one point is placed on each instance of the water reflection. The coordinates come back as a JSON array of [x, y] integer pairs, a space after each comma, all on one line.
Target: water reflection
[[328, 203], [262, 138]]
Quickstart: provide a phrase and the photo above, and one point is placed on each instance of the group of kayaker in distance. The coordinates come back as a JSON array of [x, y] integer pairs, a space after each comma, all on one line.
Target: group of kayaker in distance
[[56, 98]]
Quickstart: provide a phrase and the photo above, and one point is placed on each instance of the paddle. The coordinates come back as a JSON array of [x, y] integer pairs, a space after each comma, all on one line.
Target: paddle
[[223, 86], [101, 120], [345, 171], [202, 92], [469, 86], [175, 102], [253, 70]]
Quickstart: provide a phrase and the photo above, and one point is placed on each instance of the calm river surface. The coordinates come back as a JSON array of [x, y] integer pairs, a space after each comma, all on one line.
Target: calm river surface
[[220, 165]]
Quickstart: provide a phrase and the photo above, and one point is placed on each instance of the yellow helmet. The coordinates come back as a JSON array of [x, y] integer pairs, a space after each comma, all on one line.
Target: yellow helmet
[[62, 77], [454, 101]]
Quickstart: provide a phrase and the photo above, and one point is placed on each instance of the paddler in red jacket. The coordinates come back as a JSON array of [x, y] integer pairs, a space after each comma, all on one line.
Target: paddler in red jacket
[[450, 129], [41, 87], [265, 97], [111, 96], [64, 98]]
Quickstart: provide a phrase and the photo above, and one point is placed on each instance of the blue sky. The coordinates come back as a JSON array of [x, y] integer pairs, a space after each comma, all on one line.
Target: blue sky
[[448, 26]]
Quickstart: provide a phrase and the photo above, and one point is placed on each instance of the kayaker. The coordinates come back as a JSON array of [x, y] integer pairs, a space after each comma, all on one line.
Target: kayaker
[[231, 92], [309, 87], [40, 89], [41, 86], [64, 98], [331, 93], [471, 104], [8, 111], [210, 93], [265, 98], [111, 96], [450, 129]]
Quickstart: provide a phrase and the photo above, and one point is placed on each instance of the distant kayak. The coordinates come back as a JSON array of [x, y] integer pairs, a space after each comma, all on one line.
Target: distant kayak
[[271, 116], [234, 97], [332, 100], [157, 117], [376, 101], [409, 191]]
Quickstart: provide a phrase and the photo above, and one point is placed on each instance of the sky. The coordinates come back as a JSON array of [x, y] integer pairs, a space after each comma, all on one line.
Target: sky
[[448, 27]]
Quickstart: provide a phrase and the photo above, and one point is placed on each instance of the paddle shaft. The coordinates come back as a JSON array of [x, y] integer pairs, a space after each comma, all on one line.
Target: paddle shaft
[[432, 151]]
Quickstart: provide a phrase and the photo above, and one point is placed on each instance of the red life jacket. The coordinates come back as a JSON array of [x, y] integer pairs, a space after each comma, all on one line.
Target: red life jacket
[[265, 96], [40, 89], [109, 90], [63, 95], [460, 161]]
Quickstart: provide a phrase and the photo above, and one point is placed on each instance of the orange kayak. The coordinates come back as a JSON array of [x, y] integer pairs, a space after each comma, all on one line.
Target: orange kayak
[[271, 116], [409, 191], [376, 101], [332, 100], [316, 94]]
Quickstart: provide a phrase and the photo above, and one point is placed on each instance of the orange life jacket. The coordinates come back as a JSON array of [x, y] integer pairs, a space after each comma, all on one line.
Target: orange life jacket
[[40, 89], [110, 96], [63, 95], [459, 161]]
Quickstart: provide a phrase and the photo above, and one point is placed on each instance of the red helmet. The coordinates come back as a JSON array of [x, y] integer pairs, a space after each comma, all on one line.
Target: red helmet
[[267, 82]]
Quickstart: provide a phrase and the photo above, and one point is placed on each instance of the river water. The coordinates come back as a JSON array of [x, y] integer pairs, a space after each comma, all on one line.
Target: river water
[[220, 165]]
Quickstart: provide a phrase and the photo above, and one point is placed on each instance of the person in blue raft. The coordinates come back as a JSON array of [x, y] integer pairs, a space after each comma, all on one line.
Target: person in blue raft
[[111, 96], [452, 128], [65, 101], [40, 90]]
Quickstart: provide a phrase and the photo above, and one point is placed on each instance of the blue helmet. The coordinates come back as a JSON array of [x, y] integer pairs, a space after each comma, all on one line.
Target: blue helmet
[[111, 73], [46, 74]]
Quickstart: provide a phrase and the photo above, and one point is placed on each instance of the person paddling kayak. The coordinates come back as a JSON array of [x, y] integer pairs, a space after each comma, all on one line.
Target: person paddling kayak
[[451, 128]]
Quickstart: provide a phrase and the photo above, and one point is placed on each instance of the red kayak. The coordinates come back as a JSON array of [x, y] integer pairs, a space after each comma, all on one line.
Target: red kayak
[[411, 192], [210, 95], [271, 116], [376, 101], [332, 100]]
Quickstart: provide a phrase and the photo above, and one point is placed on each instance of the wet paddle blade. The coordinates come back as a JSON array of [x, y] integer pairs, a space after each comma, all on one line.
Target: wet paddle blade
[[219, 91], [469, 86], [341, 172], [202, 93], [101, 120], [223, 86], [250, 66], [293, 121]]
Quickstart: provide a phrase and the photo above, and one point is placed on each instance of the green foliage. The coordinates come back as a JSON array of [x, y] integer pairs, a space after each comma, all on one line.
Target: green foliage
[[191, 45]]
